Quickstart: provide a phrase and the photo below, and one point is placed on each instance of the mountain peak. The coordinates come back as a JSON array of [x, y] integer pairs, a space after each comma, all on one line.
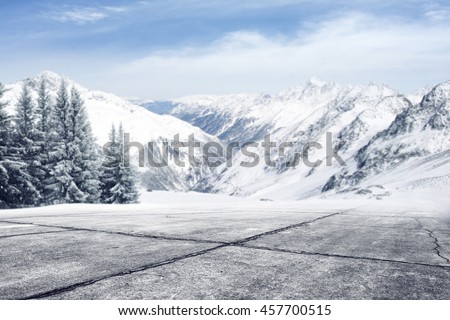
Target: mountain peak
[[313, 87], [317, 86], [379, 85], [443, 86], [314, 81], [53, 80], [48, 74], [378, 90], [439, 95]]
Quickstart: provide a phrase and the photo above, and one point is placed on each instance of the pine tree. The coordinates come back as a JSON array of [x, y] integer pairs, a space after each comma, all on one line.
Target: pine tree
[[16, 187], [117, 180], [5, 125], [5, 129], [26, 149], [125, 190], [20, 190], [45, 142], [109, 171], [25, 131], [59, 166], [74, 158], [86, 161], [44, 111]]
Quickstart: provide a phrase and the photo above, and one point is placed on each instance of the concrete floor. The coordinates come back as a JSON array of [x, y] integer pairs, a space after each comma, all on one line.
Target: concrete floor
[[228, 253]]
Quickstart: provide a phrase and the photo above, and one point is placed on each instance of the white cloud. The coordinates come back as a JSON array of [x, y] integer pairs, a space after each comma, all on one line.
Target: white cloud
[[83, 15], [116, 9], [355, 48], [437, 13], [79, 15]]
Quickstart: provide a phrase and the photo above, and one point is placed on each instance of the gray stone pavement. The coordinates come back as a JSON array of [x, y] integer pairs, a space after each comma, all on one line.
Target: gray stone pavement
[[227, 253]]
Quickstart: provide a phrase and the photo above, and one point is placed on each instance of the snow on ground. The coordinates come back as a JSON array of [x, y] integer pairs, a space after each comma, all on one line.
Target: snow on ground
[[423, 200], [435, 201]]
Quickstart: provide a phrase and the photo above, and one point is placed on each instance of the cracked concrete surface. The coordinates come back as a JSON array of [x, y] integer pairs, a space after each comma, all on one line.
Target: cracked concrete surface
[[437, 247], [225, 254]]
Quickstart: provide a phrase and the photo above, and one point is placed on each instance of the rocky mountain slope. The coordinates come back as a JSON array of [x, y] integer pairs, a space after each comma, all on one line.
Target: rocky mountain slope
[[376, 129], [419, 132]]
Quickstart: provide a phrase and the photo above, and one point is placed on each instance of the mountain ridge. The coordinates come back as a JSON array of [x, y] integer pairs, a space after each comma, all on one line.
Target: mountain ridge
[[355, 115], [376, 130]]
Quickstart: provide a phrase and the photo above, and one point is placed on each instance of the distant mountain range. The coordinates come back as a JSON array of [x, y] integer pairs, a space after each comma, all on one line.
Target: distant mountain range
[[389, 141]]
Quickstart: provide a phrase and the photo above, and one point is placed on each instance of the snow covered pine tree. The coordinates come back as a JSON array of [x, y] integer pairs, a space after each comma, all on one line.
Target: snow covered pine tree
[[16, 187], [26, 148], [48, 154], [5, 142], [44, 126], [74, 162], [118, 182]]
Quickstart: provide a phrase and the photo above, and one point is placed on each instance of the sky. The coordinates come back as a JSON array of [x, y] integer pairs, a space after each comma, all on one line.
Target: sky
[[163, 49]]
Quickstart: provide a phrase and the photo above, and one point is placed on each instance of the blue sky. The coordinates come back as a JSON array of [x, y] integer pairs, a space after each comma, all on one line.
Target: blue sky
[[161, 49]]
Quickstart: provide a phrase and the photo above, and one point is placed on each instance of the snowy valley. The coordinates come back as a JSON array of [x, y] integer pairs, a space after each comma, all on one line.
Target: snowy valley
[[382, 135]]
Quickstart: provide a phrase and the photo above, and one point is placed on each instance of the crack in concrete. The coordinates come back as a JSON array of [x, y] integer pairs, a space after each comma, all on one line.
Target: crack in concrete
[[121, 233], [275, 231], [332, 255], [371, 226], [437, 247], [169, 261], [119, 274], [32, 233]]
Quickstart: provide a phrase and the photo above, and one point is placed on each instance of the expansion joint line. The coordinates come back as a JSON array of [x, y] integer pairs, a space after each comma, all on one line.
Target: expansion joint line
[[293, 226], [121, 233], [32, 234]]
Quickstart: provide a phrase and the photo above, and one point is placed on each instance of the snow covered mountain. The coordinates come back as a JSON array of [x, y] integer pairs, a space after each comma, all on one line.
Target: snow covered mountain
[[417, 138], [387, 140], [105, 109], [376, 129], [248, 117]]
